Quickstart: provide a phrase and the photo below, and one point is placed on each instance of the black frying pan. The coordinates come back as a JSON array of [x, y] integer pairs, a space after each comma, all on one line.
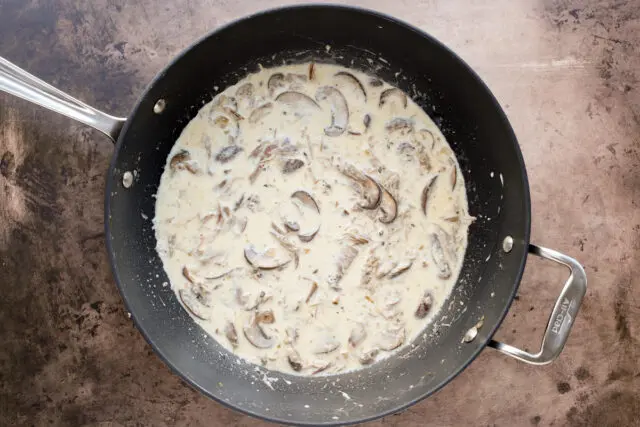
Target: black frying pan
[[469, 117]]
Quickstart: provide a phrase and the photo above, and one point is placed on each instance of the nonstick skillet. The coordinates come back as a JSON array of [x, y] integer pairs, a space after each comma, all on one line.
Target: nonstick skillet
[[469, 117]]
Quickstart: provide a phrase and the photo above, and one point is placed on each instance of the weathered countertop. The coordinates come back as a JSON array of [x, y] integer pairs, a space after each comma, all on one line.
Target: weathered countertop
[[568, 75]]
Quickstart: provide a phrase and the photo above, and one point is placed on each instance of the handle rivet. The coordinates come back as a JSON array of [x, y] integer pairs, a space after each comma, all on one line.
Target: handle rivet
[[507, 244], [160, 106]]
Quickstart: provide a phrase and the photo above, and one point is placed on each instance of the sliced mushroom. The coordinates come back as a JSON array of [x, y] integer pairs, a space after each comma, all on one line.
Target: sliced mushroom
[[291, 165], [295, 361], [425, 138], [240, 224], [275, 82], [371, 192], [424, 306], [400, 268], [385, 268], [439, 257], [349, 84], [392, 338], [231, 333], [266, 316], [195, 302], [393, 95], [320, 365], [375, 82], [344, 260], [182, 160], [267, 260], [327, 345], [307, 200], [388, 207], [368, 357], [187, 275], [453, 175], [228, 153], [292, 226], [257, 336], [339, 109], [426, 193], [399, 124], [287, 244], [261, 112], [245, 91], [300, 104], [357, 335]]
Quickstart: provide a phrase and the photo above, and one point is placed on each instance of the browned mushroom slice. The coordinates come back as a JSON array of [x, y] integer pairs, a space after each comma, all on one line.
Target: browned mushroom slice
[[357, 335], [299, 103], [195, 302], [228, 153], [295, 361], [424, 306], [392, 338], [182, 160], [371, 192], [393, 95], [260, 113], [231, 333], [257, 336], [267, 260], [399, 124], [339, 109], [426, 193], [349, 84], [400, 268], [187, 275], [291, 165], [388, 207], [368, 357], [439, 257]]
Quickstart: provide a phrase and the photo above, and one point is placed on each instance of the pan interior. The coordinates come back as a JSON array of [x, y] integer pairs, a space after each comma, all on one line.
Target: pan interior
[[467, 115]]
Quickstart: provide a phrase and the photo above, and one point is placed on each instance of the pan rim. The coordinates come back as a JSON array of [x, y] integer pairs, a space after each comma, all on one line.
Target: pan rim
[[376, 14]]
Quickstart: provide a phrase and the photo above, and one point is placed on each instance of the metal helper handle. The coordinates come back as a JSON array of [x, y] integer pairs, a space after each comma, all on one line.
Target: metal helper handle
[[563, 314], [18, 82]]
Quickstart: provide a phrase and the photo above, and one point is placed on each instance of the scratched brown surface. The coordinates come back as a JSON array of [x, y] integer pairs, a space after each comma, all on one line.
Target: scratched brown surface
[[566, 72]]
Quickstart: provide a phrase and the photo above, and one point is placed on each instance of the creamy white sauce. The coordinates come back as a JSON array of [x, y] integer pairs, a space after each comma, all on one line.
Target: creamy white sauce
[[350, 281]]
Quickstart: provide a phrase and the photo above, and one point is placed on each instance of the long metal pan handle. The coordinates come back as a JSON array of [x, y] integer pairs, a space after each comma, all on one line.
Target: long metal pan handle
[[18, 82], [562, 316]]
